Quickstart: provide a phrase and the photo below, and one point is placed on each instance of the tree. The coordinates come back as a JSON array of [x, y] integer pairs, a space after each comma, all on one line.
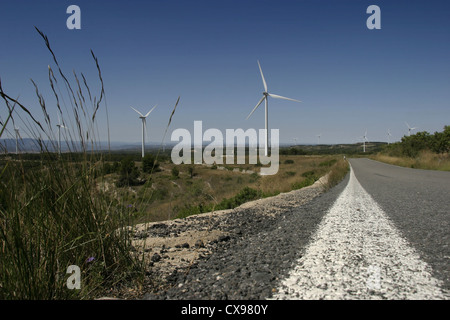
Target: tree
[[129, 173], [149, 164], [441, 141], [412, 145]]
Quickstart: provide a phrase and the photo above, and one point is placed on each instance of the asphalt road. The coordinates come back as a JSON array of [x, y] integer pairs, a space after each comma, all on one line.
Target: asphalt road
[[418, 203], [382, 233], [384, 237]]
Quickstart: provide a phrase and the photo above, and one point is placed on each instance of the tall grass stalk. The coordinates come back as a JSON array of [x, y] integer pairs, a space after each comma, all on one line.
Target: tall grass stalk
[[52, 213]]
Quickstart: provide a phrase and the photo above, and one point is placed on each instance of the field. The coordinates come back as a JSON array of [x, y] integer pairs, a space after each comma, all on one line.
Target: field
[[174, 191]]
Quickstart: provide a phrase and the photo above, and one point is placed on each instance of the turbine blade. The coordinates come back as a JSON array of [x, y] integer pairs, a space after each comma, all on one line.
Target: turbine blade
[[150, 111], [262, 76], [407, 125], [280, 97], [137, 111], [260, 101]]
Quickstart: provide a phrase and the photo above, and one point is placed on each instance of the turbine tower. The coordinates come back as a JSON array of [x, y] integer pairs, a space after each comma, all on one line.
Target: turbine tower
[[144, 127], [318, 138], [364, 141], [266, 94], [389, 136], [59, 125], [409, 128]]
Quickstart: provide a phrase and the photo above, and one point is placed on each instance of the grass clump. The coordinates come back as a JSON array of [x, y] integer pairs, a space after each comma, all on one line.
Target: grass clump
[[337, 173], [52, 212]]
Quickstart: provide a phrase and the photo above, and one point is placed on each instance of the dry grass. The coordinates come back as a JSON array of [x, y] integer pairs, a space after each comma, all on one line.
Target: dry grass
[[425, 160], [164, 196]]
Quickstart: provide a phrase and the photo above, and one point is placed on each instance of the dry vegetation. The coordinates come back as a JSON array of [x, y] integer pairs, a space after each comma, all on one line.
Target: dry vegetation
[[424, 160], [202, 188]]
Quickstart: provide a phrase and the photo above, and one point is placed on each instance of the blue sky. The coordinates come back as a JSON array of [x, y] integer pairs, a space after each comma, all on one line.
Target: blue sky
[[349, 78]]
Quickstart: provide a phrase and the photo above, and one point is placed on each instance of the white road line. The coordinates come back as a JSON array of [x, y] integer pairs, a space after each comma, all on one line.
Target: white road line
[[357, 253]]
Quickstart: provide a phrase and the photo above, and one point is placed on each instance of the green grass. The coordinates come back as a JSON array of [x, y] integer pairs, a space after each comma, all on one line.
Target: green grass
[[52, 213]]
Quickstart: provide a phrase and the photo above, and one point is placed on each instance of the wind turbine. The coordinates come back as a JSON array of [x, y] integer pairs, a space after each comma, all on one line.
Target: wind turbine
[[409, 128], [318, 138], [59, 125], [364, 141], [295, 140], [144, 126], [17, 139], [389, 136], [266, 94]]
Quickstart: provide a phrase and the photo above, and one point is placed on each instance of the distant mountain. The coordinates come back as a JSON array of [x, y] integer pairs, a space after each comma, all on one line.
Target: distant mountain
[[28, 145]]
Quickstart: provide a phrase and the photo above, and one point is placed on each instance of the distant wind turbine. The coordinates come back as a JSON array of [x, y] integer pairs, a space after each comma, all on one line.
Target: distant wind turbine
[[389, 136], [318, 138], [144, 127], [59, 125], [295, 140], [409, 128], [364, 141], [266, 94]]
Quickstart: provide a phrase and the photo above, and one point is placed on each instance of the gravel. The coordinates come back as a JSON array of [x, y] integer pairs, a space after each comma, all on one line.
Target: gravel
[[235, 254]]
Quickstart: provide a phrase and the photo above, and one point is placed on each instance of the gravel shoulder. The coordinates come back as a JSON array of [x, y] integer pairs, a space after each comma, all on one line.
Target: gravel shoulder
[[230, 254]]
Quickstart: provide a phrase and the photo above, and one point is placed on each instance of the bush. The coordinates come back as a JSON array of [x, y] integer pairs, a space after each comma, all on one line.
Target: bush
[[304, 183], [412, 146], [129, 174], [310, 174], [175, 172], [290, 173], [149, 164], [328, 163]]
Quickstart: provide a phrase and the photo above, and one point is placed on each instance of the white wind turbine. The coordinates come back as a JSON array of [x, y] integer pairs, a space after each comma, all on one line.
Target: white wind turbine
[[364, 141], [59, 125], [389, 136], [409, 128], [318, 138], [265, 97], [144, 126]]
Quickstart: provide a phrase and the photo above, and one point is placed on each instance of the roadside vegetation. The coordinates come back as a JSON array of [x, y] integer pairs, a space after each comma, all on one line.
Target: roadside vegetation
[[421, 150], [176, 191], [52, 214]]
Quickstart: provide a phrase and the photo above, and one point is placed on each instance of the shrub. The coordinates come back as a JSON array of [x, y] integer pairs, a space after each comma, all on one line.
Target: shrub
[[304, 183], [175, 172], [149, 164], [328, 163], [290, 173]]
